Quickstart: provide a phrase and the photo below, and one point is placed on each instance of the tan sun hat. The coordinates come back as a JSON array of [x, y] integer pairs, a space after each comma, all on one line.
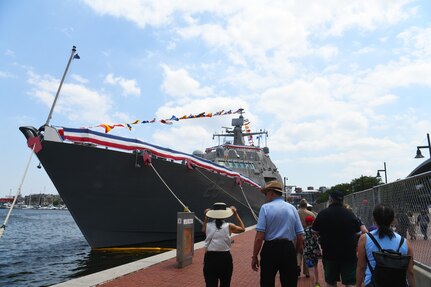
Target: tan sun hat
[[219, 211], [273, 185]]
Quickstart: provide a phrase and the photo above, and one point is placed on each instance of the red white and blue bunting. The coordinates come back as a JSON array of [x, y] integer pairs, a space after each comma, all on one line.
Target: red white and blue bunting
[[112, 141]]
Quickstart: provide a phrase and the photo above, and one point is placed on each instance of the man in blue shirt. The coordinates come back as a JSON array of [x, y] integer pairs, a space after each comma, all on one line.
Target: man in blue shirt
[[279, 227]]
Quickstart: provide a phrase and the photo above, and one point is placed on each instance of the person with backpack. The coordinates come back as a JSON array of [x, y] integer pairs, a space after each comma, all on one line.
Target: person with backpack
[[385, 258]]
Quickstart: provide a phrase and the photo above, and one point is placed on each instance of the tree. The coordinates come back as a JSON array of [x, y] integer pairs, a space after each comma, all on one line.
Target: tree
[[356, 185], [364, 182], [56, 201], [343, 187]]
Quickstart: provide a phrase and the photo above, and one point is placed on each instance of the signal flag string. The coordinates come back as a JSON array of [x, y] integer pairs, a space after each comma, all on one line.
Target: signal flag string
[[170, 121]]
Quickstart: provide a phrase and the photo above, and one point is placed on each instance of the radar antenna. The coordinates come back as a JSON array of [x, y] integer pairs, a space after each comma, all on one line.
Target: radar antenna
[[237, 132]]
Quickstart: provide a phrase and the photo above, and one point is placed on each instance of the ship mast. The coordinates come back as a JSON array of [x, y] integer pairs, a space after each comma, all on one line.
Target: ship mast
[[3, 227], [59, 87], [237, 133]]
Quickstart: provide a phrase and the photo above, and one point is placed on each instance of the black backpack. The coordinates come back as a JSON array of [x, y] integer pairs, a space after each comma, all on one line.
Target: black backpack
[[391, 266]]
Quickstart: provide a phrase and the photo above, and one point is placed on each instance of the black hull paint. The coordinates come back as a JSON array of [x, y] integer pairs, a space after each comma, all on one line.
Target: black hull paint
[[116, 203]]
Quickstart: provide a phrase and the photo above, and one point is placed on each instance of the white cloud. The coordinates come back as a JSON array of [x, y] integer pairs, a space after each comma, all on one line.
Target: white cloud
[[327, 52], [9, 53], [419, 39], [244, 25], [171, 45], [364, 50], [383, 100], [68, 31], [340, 16], [194, 134], [4, 74], [297, 73], [335, 112], [129, 87], [79, 79], [178, 83], [398, 74], [142, 13], [76, 102], [184, 138]]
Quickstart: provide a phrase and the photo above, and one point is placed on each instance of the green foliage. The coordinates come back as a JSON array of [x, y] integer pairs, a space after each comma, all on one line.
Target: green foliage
[[344, 187], [356, 185], [364, 182], [56, 201], [323, 197]]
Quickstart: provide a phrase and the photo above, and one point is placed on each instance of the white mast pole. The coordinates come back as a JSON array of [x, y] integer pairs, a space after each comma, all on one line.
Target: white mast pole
[[3, 227], [59, 87]]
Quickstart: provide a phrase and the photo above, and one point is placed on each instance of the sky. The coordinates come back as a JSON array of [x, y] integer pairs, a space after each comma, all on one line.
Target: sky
[[341, 86]]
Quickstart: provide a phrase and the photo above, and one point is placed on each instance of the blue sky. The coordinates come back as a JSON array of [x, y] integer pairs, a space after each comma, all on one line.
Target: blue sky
[[341, 86]]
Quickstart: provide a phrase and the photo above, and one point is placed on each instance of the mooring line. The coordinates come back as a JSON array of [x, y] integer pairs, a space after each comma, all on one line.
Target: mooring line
[[179, 200], [3, 227], [219, 187], [248, 204]]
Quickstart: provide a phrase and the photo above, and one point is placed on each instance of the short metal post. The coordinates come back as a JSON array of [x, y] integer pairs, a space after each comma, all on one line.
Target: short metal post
[[185, 238]]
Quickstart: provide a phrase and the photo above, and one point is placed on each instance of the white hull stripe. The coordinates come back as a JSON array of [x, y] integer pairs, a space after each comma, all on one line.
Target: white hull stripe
[[112, 141]]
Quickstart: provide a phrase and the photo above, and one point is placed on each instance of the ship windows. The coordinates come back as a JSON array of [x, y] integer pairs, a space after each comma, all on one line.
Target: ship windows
[[237, 164], [221, 162]]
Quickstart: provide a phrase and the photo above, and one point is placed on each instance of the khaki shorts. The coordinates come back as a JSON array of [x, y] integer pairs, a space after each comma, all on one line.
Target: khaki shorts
[[335, 269]]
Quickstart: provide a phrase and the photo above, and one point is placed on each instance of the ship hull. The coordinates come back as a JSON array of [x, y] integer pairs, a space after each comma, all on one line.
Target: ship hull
[[117, 200]]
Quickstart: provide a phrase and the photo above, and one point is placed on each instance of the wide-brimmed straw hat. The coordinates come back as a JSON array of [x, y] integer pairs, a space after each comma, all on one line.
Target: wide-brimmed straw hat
[[219, 211], [273, 186]]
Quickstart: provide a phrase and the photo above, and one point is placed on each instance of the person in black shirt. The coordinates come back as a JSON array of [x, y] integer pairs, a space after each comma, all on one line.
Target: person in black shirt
[[403, 223], [338, 229]]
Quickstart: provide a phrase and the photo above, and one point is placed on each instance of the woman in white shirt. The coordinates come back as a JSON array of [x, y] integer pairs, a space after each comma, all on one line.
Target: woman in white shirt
[[218, 265]]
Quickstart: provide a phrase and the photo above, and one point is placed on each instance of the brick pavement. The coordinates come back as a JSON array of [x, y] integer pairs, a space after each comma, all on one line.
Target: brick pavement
[[167, 274]]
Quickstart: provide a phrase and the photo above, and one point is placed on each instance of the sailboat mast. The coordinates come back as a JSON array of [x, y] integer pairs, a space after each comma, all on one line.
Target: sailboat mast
[[59, 87]]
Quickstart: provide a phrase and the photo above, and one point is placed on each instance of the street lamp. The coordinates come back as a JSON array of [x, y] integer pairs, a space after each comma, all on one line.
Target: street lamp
[[285, 179], [418, 152], [383, 170]]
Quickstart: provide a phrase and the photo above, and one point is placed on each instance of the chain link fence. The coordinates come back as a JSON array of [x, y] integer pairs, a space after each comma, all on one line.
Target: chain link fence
[[411, 200]]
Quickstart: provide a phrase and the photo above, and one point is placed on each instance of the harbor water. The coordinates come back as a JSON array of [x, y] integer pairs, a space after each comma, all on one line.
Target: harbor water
[[45, 247]]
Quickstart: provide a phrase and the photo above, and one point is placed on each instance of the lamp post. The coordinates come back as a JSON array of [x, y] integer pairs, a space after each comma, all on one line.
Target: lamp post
[[383, 170], [418, 152], [285, 179]]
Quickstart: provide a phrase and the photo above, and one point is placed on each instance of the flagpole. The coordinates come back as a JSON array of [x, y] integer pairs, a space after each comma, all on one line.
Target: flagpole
[[59, 87]]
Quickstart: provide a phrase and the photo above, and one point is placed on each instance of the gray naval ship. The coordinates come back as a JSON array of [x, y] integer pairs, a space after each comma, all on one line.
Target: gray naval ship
[[126, 192], [251, 161]]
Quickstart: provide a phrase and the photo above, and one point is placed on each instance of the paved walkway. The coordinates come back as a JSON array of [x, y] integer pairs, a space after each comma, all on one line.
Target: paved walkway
[[167, 274]]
